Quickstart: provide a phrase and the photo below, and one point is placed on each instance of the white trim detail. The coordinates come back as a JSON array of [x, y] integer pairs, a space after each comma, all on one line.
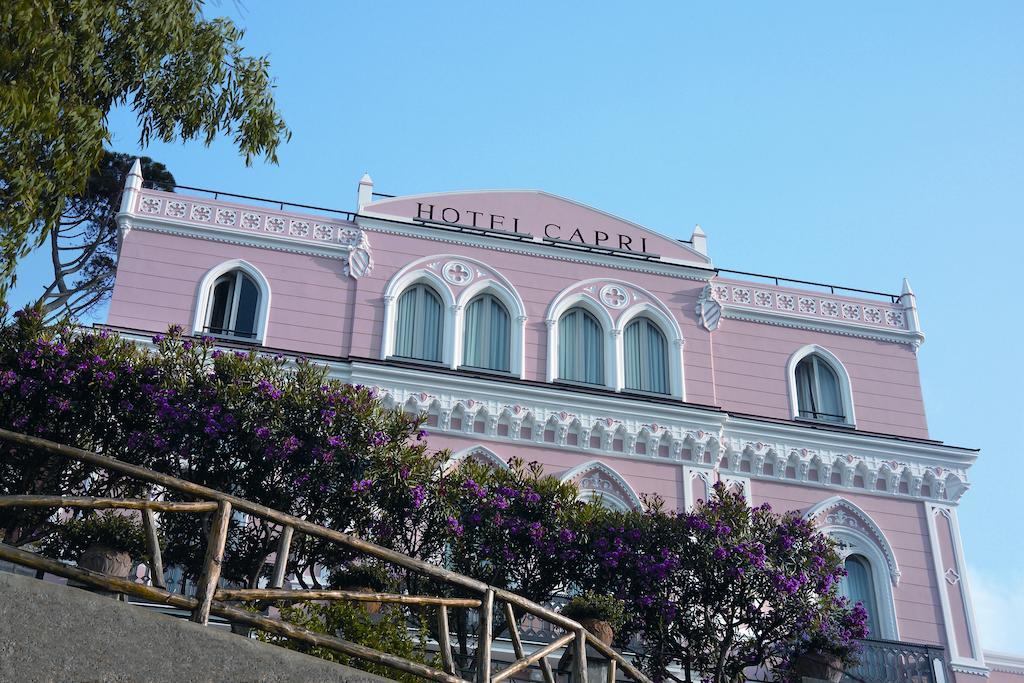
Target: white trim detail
[[834, 513], [480, 452], [845, 388], [614, 319], [206, 286], [454, 299], [1004, 662], [626, 499], [669, 326], [562, 303], [964, 663], [843, 521]]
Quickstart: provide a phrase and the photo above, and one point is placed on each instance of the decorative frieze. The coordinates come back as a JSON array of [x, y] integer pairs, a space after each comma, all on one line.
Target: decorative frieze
[[182, 210]]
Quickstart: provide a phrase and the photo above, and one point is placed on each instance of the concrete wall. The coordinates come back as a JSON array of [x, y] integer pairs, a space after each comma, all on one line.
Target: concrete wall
[[50, 633]]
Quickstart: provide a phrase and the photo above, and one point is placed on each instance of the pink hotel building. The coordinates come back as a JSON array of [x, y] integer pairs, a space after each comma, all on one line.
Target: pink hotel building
[[530, 325]]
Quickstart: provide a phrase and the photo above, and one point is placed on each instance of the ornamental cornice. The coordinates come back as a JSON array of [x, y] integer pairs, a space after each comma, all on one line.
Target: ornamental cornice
[[611, 426], [913, 339]]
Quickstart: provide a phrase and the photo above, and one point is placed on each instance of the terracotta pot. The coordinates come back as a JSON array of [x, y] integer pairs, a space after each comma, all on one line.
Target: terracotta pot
[[370, 607], [821, 667], [600, 628], [106, 560]]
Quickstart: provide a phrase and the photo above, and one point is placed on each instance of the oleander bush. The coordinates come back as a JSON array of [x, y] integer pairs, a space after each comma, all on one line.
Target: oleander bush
[[721, 589]]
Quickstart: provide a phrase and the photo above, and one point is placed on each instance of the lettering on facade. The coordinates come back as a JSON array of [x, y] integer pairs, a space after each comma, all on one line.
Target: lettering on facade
[[493, 221]]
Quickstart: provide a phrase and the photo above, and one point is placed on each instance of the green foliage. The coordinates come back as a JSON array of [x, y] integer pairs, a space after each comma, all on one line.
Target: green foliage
[[591, 605], [66, 63], [109, 529], [363, 575], [83, 245], [388, 631]]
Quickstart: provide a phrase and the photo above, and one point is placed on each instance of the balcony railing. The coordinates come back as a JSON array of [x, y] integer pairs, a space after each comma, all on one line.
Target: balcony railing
[[890, 660]]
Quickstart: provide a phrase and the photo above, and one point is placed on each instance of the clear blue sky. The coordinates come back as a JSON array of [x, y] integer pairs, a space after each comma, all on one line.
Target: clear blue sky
[[853, 143]]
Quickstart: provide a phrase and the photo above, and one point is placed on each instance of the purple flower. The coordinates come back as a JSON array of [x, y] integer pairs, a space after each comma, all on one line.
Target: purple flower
[[158, 338], [335, 441], [455, 526], [418, 496], [361, 485], [262, 432], [422, 435]]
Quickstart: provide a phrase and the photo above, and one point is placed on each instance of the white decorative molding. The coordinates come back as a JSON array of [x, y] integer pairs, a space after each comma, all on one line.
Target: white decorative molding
[[205, 288], [845, 387], [481, 454], [1004, 662], [709, 309], [597, 479], [839, 513], [615, 305], [969, 662], [858, 534]]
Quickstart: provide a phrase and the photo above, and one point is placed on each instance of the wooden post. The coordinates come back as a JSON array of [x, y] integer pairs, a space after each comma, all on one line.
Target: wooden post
[[284, 546], [483, 674], [581, 656], [444, 640], [211, 563], [156, 562]]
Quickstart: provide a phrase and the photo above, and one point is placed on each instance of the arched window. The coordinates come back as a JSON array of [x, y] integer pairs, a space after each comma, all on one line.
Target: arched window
[[645, 355], [418, 327], [858, 586], [818, 392], [234, 302], [486, 334], [580, 347]]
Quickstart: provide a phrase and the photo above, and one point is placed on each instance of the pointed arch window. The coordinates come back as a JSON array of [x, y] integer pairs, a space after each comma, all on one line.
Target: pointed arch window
[[858, 586], [645, 357], [234, 303], [487, 332], [818, 390], [418, 327], [580, 347]]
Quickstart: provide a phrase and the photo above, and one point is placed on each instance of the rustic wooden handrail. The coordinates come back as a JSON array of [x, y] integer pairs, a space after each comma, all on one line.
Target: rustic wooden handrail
[[288, 595], [208, 598], [89, 502]]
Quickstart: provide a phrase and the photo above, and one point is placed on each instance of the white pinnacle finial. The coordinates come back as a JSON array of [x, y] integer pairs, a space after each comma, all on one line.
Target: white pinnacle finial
[[132, 186], [906, 288], [699, 240], [365, 194]]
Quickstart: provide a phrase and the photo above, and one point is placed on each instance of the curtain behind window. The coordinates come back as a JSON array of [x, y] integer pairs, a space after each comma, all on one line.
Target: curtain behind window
[[645, 353], [580, 347], [858, 586], [486, 337], [418, 324]]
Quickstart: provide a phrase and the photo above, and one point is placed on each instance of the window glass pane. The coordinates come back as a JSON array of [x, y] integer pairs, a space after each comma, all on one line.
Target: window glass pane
[[805, 388], [248, 302], [418, 324], [220, 303], [830, 402], [858, 586], [500, 336]]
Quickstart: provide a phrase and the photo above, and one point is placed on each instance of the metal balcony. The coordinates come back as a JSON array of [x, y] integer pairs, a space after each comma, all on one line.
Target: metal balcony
[[891, 661]]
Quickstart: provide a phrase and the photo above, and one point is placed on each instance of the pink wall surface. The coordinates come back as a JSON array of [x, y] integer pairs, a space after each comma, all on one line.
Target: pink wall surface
[[316, 308]]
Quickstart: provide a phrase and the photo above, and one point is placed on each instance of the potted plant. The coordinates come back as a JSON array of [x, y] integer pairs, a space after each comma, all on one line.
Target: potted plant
[[824, 659], [361, 578], [105, 542], [600, 614]]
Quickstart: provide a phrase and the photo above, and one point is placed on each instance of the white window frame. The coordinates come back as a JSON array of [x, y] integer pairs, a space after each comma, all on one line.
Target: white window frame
[[845, 388], [517, 322], [555, 313], [673, 347], [204, 298], [395, 289]]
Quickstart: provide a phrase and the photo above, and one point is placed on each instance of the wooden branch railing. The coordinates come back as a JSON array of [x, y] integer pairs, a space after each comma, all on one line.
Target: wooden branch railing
[[211, 600]]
